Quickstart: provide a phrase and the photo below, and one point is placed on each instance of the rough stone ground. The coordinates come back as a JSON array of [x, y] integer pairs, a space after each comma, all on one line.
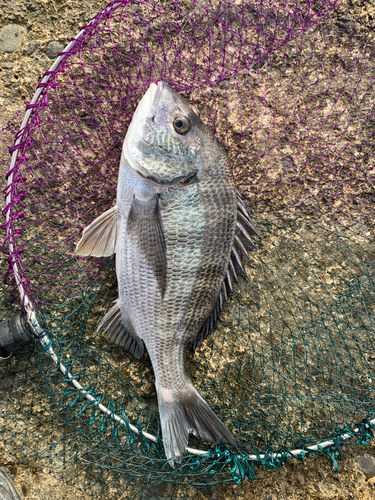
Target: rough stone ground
[[36, 30]]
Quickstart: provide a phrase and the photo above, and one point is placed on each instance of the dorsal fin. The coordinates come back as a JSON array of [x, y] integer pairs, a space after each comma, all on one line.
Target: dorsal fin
[[241, 243]]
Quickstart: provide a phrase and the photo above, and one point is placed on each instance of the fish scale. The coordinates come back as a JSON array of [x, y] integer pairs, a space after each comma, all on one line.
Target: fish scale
[[178, 245]]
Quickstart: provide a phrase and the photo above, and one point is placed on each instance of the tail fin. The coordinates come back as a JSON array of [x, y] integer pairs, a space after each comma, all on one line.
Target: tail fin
[[188, 412]]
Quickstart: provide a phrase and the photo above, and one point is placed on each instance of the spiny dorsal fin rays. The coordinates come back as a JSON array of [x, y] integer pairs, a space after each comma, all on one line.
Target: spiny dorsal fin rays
[[243, 213], [246, 234], [244, 224], [248, 223], [233, 269], [225, 295], [240, 245], [212, 320], [220, 301], [237, 258], [229, 279]]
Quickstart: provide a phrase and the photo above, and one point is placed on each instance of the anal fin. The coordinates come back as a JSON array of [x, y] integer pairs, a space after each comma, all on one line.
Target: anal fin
[[120, 334], [100, 237]]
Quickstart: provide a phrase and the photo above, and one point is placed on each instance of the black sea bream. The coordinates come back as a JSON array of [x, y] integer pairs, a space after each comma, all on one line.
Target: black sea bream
[[179, 230]]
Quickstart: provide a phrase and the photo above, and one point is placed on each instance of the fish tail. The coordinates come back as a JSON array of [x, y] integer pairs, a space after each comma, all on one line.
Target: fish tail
[[185, 412]]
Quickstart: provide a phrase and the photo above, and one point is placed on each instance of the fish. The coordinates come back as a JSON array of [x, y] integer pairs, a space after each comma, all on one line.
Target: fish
[[179, 231], [8, 490]]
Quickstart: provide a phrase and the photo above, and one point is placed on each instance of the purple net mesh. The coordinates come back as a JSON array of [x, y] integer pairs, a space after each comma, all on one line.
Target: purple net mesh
[[288, 87]]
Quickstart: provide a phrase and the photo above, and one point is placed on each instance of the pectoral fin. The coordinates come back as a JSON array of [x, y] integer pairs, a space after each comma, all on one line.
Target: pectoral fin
[[145, 229], [100, 237]]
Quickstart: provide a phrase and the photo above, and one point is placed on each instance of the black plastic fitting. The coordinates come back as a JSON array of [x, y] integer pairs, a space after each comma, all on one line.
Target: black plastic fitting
[[14, 334]]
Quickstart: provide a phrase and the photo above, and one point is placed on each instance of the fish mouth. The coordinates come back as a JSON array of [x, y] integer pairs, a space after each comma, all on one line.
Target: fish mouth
[[156, 94], [156, 91]]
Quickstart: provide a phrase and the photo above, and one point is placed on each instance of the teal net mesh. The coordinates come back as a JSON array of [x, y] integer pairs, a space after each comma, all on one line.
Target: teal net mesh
[[289, 89]]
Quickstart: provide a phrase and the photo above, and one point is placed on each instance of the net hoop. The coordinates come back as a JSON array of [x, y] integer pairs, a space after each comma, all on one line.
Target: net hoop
[[42, 335]]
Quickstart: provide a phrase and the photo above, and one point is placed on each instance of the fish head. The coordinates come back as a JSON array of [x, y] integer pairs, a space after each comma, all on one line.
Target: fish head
[[165, 137]]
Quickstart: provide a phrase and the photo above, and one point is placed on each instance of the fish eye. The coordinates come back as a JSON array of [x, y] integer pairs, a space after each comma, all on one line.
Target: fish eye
[[181, 125]]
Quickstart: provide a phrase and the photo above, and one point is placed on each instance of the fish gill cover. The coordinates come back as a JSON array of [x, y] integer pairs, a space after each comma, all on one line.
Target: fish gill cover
[[288, 87]]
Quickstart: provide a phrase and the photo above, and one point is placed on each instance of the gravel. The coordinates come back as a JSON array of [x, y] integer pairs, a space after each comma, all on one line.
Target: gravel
[[31, 48], [11, 38], [366, 464], [53, 48], [7, 65]]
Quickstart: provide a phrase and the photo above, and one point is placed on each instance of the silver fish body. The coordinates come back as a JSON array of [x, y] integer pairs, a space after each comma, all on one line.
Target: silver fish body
[[174, 231]]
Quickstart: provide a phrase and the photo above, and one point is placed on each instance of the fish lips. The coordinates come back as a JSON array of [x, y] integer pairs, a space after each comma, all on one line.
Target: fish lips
[[156, 95]]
